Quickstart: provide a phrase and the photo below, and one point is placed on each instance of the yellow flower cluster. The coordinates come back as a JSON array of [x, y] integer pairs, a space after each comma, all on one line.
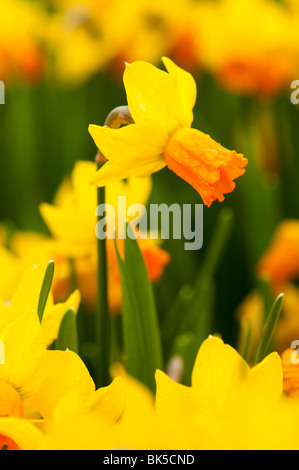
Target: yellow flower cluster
[[228, 406], [250, 46]]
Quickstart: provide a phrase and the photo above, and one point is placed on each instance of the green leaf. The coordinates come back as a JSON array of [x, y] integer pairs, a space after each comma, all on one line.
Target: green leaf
[[193, 312], [67, 335], [186, 347], [141, 335], [269, 329], [45, 290]]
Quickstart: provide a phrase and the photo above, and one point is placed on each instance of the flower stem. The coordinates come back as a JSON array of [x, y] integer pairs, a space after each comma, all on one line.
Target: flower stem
[[118, 117], [102, 320]]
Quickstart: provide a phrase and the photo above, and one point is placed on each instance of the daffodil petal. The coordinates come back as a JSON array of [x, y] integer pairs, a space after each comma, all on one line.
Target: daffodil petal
[[22, 432], [53, 316], [108, 401], [217, 374], [186, 88], [146, 84], [133, 150], [172, 396], [26, 295], [63, 372], [266, 379], [24, 349]]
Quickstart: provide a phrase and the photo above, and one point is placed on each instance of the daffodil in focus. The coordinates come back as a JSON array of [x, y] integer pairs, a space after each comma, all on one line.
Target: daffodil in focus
[[161, 105], [72, 222]]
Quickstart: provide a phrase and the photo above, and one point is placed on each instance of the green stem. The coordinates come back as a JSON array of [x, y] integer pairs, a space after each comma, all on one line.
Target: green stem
[[118, 117], [102, 319]]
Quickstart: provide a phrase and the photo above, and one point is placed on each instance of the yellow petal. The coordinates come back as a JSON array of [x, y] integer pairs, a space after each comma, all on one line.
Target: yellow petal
[[157, 97], [54, 314], [22, 432], [218, 374], [26, 295], [108, 401], [24, 349], [133, 150], [186, 91], [63, 372], [172, 396], [265, 381]]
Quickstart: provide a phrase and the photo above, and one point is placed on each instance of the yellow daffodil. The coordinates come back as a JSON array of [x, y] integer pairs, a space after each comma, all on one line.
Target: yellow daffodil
[[72, 222], [138, 427], [35, 380], [21, 55], [10, 272], [251, 314], [257, 64], [34, 248], [161, 106], [26, 296], [231, 405]]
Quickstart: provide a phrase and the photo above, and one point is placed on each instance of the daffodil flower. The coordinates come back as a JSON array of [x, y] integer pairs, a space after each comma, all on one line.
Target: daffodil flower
[[231, 405], [161, 105], [71, 220]]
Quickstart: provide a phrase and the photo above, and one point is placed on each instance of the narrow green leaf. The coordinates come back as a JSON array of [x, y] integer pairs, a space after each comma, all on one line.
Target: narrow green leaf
[[141, 334], [186, 347], [45, 290], [265, 290], [247, 345], [173, 320], [218, 243], [269, 329], [196, 314], [68, 335]]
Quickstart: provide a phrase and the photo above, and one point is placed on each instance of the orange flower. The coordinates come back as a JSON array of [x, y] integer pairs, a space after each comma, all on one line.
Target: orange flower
[[290, 366], [281, 261], [156, 259], [203, 163]]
